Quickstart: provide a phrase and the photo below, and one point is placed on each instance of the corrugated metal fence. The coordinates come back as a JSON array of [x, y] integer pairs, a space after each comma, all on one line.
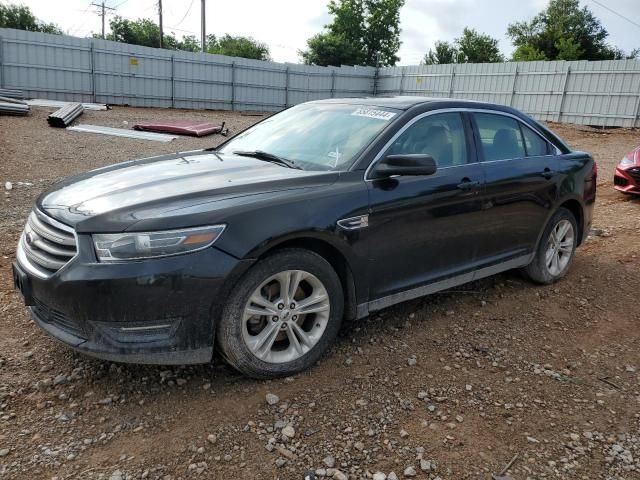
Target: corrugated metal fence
[[93, 70], [603, 93]]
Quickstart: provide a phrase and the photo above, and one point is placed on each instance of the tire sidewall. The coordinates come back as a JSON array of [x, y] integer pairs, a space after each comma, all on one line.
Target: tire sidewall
[[229, 335]]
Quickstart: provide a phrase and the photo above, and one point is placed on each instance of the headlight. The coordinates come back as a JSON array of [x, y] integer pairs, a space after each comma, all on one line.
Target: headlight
[[626, 161], [115, 247]]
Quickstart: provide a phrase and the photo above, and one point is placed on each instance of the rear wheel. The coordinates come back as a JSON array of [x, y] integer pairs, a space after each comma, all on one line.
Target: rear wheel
[[282, 316], [556, 249]]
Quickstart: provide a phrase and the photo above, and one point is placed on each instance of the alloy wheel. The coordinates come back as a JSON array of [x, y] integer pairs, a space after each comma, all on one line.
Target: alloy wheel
[[285, 316], [559, 247]]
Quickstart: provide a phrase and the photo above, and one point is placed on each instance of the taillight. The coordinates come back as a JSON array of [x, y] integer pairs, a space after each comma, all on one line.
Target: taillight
[[594, 170]]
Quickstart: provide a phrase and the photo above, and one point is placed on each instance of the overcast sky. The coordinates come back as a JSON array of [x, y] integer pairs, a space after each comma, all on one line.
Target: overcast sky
[[286, 24]]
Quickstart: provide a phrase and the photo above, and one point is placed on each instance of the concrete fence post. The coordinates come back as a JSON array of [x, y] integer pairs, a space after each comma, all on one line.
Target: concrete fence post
[[401, 82], [564, 93]]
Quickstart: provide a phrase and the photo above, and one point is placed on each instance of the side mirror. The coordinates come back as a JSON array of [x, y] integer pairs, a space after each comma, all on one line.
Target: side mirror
[[408, 164]]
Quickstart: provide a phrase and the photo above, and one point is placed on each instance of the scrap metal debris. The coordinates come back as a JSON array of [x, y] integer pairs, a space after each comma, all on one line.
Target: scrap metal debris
[[67, 114], [41, 102], [182, 127], [121, 132], [12, 106], [10, 93]]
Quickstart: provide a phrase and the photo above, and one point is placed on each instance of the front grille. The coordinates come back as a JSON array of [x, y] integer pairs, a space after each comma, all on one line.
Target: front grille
[[620, 182], [47, 244], [57, 318], [634, 173]]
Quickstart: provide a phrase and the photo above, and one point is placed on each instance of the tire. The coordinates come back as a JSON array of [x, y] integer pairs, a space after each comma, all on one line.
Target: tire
[[277, 353], [540, 270]]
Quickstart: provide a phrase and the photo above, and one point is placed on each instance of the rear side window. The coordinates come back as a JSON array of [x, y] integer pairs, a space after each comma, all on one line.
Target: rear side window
[[440, 135], [534, 144], [500, 137]]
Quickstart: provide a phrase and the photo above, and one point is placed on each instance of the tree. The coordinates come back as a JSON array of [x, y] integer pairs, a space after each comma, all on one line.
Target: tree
[[474, 47], [528, 53], [238, 46], [21, 17], [563, 31], [444, 53], [146, 32], [363, 32], [471, 47]]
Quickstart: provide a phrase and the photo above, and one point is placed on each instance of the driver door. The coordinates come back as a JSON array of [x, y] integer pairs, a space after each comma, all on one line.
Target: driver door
[[422, 228]]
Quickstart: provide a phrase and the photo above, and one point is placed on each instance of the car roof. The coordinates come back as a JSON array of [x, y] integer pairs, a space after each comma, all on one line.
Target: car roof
[[402, 102]]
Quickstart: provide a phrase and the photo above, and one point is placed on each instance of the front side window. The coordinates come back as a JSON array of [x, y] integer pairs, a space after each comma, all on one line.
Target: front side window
[[500, 137], [440, 135], [315, 136]]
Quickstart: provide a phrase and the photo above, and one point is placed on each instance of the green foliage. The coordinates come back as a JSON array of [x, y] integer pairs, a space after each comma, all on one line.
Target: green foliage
[[363, 32], [528, 53], [238, 46], [474, 47], [444, 53], [564, 31], [568, 49], [471, 47], [21, 18], [146, 32]]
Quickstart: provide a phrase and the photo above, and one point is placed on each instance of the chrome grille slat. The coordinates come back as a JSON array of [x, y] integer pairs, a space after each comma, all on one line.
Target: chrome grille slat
[[47, 245], [50, 232], [53, 249]]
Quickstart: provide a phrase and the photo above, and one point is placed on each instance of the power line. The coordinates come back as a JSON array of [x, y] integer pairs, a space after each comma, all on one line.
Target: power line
[[616, 13], [187, 13], [77, 25], [102, 13]]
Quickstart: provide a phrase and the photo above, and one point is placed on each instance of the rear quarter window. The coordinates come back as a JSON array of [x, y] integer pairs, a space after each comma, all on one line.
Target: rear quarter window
[[534, 144]]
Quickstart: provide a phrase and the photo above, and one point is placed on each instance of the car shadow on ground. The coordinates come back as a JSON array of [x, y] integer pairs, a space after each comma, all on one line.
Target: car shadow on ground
[[217, 375]]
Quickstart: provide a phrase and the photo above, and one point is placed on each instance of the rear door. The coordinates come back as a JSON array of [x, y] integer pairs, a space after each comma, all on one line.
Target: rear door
[[422, 228], [521, 175]]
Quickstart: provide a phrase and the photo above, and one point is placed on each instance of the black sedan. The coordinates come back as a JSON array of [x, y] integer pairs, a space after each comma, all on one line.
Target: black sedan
[[325, 212]]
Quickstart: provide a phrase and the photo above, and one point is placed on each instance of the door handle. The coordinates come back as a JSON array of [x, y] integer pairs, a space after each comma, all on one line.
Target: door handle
[[467, 184], [548, 173]]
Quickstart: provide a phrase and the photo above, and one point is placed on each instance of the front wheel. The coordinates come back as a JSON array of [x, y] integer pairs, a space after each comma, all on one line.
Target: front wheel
[[282, 316], [556, 249]]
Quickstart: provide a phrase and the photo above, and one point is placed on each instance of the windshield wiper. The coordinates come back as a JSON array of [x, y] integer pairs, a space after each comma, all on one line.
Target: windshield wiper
[[268, 157]]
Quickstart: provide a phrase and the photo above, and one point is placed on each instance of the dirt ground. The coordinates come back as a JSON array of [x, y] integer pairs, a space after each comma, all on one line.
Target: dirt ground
[[453, 386]]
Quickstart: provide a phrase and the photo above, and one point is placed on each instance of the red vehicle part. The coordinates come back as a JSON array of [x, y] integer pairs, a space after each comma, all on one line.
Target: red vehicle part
[[626, 178], [181, 127]]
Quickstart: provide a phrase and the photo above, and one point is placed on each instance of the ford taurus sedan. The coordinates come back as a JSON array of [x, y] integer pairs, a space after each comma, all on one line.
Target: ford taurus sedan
[[325, 212]]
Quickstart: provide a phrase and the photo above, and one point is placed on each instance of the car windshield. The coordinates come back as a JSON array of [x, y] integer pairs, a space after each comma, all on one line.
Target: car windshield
[[314, 136]]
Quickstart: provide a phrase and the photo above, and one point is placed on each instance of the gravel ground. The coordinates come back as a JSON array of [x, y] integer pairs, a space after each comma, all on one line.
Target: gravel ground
[[453, 386]]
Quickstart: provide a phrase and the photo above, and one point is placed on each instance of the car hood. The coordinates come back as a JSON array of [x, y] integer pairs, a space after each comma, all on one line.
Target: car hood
[[634, 156], [117, 197]]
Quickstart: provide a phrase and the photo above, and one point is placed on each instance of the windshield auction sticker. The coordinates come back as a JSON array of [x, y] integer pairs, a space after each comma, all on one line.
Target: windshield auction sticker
[[373, 113]]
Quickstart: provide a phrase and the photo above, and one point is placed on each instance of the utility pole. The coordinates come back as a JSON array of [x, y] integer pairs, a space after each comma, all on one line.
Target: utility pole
[[160, 14], [102, 13], [203, 28]]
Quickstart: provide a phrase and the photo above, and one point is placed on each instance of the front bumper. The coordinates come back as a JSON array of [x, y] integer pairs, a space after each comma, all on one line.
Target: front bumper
[[159, 311], [625, 182]]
